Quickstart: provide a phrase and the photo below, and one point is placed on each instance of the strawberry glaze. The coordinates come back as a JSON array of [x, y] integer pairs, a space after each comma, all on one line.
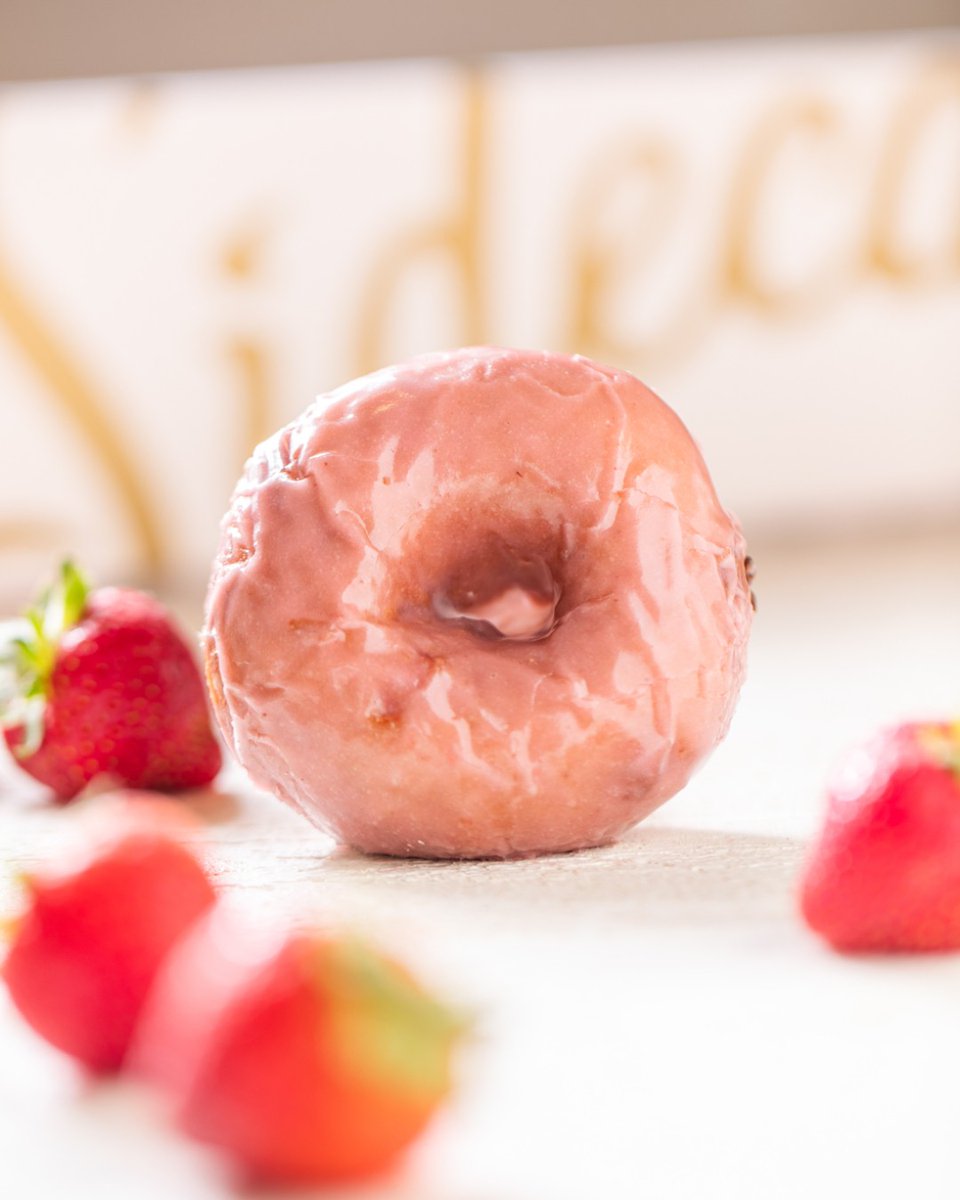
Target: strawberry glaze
[[485, 603]]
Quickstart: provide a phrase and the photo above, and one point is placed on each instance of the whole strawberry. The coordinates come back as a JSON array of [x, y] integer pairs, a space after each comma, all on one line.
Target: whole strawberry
[[307, 1057], [102, 683], [885, 874], [85, 950]]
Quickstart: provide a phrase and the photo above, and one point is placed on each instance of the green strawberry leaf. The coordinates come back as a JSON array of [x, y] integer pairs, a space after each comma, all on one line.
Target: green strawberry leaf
[[388, 1028], [942, 742], [75, 591], [28, 654]]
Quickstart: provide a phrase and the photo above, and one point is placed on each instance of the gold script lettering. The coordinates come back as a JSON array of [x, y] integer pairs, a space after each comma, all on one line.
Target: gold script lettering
[[240, 262], [885, 252], [812, 118], [455, 235], [251, 361], [71, 387], [601, 261]]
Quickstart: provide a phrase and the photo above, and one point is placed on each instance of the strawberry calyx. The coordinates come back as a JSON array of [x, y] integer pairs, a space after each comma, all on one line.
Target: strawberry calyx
[[391, 1030], [942, 743], [9, 928], [11, 922], [28, 654]]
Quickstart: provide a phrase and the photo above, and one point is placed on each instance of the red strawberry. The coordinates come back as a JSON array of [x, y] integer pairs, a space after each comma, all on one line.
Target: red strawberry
[[85, 952], [885, 874], [101, 683], [306, 1057]]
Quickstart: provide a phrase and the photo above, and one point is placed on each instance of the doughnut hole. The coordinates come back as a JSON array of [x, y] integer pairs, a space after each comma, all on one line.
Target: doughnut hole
[[501, 593], [492, 574]]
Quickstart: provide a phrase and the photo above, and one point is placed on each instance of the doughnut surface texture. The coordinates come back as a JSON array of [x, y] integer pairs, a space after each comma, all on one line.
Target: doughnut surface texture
[[485, 603]]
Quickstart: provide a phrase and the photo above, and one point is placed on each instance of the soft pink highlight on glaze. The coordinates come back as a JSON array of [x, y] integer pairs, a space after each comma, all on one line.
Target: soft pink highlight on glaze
[[514, 613], [485, 603]]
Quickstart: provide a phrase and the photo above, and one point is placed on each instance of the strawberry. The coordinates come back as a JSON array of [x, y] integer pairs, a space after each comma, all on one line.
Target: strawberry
[[102, 684], [306, 1056], [93, 935], [885, 874]]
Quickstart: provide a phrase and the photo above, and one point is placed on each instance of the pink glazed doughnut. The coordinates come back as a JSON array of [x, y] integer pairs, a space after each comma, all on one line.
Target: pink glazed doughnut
[[482, 604]]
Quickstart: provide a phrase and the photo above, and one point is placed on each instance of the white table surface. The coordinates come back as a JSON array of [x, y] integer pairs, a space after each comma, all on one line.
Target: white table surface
[[655, 1022]]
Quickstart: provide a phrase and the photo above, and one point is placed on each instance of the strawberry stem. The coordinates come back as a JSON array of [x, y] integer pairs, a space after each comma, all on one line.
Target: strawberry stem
[[943, 743], [74, 591], [398, 1031], [28, 655], [9, 928]]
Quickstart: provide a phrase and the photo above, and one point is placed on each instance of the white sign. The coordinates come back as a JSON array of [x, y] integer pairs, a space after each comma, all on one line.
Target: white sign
[[767, 233]]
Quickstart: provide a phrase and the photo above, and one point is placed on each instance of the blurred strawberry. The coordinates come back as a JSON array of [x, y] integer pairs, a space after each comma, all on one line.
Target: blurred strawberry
[[101, 683], [885, 874], [307, 1057], [86, 949]]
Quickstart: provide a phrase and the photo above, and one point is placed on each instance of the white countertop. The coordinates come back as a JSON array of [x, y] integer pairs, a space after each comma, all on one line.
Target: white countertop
[[655, 1022]]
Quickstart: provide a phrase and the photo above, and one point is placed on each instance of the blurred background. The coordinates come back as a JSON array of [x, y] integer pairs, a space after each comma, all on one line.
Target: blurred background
[[209, 214]]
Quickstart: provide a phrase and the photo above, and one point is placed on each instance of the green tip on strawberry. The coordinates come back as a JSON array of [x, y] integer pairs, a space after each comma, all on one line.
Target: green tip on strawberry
[[100, 683], [9, 928], [885, 873], [28, 656], [401, 1035], [942, 742], [304, 1056]]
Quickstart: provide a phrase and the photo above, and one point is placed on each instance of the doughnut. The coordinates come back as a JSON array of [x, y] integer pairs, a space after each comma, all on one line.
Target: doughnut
[[482, 604]]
